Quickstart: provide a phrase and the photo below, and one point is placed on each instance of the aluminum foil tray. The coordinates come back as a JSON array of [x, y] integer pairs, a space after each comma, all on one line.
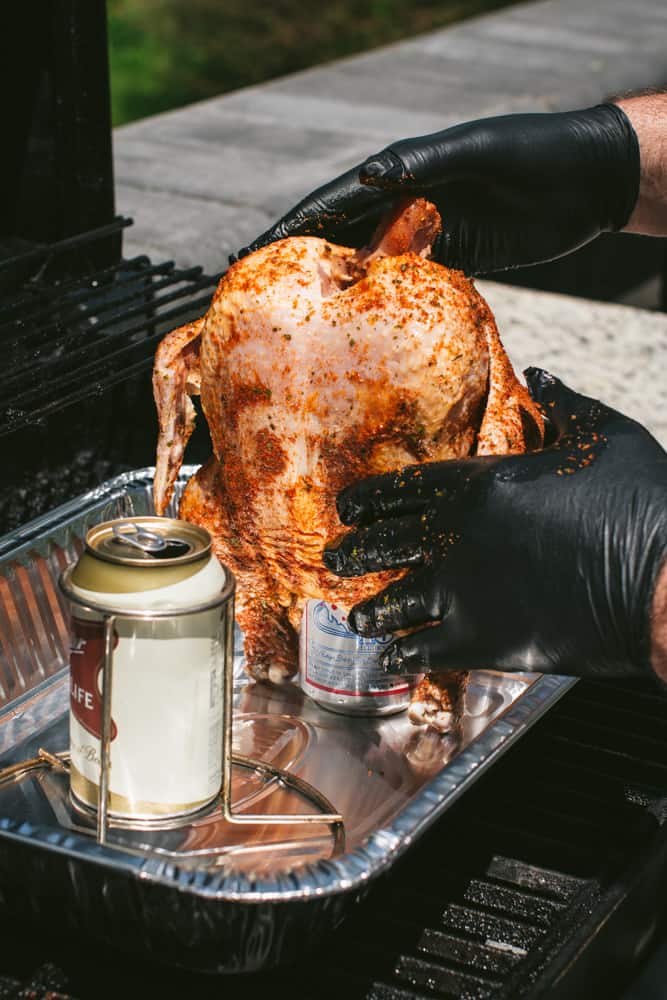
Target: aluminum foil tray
[[206, 895]]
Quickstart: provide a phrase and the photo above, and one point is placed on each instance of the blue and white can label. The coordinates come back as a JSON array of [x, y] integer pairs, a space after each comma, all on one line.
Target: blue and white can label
[[341, 671]]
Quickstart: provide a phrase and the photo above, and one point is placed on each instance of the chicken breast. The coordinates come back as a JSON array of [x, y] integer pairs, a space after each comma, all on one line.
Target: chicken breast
[[319, 365]]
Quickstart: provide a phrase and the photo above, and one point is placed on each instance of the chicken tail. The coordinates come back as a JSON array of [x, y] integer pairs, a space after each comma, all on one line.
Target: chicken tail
[[176, 377]]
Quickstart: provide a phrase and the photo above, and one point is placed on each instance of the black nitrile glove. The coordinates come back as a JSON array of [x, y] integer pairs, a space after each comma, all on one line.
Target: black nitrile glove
[[545, 561], [513, 190]]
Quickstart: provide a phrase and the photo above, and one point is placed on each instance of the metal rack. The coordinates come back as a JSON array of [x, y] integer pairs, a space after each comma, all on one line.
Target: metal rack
[[325, 813]]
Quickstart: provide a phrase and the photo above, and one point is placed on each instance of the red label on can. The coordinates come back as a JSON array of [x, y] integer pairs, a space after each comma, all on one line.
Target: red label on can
[[86, 663]]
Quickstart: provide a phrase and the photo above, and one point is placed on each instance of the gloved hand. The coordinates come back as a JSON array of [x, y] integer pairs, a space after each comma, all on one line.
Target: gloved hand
[[545, 561], [513, 190]]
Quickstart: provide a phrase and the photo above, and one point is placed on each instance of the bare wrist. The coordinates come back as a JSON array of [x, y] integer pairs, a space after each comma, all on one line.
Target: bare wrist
[[658, 624], [648, 116]]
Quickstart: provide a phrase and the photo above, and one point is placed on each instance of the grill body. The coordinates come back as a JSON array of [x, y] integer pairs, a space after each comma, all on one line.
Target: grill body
[[78, 324], [548, 879], [56, 157]]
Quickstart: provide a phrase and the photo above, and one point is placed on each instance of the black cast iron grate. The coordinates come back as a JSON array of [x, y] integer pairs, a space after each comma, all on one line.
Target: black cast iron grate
[[78, 343], [544, 881]]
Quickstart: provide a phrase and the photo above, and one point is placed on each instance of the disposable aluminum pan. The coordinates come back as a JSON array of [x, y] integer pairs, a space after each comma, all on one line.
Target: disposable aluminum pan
[[207, 895]]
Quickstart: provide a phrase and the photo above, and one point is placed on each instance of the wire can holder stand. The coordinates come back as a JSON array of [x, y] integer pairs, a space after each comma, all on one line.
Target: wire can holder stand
[[325, 814]]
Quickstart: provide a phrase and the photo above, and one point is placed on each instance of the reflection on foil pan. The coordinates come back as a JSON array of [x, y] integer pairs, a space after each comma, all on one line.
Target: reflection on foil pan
[[205, 895]]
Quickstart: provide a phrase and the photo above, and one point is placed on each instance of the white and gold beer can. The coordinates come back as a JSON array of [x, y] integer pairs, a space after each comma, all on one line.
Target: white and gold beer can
[[167, 683]]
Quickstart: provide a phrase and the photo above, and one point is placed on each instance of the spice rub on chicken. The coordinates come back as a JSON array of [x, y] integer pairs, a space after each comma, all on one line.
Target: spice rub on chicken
[[319, 365]]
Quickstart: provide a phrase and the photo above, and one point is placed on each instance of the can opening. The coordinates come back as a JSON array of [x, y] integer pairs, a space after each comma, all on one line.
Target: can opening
[[149, 544], [173, 550]]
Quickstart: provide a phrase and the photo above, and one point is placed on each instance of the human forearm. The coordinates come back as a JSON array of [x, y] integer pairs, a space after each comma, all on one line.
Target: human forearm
[[659, 625], [648, 116]]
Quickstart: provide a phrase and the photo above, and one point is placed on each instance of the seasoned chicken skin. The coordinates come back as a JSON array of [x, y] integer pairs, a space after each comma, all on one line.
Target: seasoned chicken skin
[[319, 365]]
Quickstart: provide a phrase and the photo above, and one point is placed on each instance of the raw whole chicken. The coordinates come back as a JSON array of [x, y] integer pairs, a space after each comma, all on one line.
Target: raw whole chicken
[[318, 365]]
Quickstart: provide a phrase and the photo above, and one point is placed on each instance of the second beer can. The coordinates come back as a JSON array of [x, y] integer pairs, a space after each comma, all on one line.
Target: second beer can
[[166, 731], [341, 670]]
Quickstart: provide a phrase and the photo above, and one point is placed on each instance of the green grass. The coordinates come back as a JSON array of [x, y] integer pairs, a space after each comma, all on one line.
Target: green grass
[[166, 53]]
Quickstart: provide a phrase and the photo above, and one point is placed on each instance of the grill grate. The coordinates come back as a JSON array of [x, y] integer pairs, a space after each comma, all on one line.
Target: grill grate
[[79, 350], [533, 862]]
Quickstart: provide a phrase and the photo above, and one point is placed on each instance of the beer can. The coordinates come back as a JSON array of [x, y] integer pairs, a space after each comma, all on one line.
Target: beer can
[[167, 686], [341, 671]]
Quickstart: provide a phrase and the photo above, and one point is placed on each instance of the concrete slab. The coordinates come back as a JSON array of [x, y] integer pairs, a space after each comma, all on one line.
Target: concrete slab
[[615, 353]]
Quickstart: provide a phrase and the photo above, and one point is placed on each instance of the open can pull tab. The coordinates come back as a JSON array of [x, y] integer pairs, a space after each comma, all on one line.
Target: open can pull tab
[[140, 538]]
